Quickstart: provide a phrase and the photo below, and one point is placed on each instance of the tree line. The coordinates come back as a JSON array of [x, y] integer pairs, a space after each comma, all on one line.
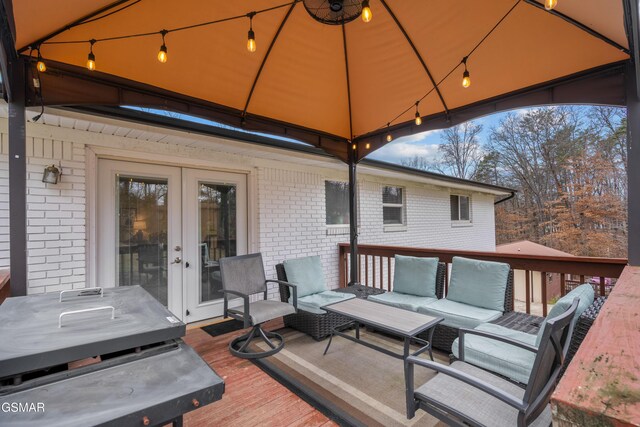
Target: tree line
[[569, 165]]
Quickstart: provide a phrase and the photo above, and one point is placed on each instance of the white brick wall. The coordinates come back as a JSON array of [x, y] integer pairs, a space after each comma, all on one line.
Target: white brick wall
[[291, 213], [56, 223], [290, 208]]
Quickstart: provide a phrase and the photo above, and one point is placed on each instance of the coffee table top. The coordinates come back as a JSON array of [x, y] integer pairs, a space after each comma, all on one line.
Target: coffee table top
[[395, 320]]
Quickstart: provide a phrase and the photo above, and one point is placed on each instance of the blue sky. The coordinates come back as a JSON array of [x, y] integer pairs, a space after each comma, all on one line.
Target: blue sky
[[426, 143]]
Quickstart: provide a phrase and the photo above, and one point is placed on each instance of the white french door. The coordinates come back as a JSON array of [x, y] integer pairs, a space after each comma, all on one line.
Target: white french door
[[165, 228]]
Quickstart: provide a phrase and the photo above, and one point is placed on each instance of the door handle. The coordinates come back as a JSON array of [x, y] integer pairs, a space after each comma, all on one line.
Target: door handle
[[178, 260], [186, 264]]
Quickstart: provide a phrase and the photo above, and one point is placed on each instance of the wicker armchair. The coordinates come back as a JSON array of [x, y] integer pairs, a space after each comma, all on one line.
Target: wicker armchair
[[444, 336], [319, 326]]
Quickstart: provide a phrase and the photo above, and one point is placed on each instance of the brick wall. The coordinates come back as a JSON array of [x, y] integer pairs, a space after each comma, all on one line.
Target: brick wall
[[56, 229], [290, 209], [291, 213]]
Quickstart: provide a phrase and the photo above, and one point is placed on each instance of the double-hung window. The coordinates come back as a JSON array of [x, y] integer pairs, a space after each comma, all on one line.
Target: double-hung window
[[336, 203], [393, 206], [460, 207]]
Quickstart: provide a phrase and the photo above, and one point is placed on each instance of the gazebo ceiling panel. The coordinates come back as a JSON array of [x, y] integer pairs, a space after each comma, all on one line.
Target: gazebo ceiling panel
[[528, 48], [605, 17], [304, 78], [38, 18]]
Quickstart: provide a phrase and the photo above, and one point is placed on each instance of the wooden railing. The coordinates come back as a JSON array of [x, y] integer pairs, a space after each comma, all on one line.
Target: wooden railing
[[600, 386], [375, 267], [5, 285]]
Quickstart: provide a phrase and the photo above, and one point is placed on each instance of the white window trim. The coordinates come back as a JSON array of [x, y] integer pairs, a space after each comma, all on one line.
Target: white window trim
[[392, 228], [462, 222]]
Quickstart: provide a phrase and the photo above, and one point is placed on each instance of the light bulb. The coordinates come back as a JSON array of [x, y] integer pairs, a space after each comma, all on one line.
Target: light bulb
[[162, 54], [367, 146], [367, 15], [389, 137], [41, 66], [354, 146], [550, 4], [418, 119], [251, 42], [466, 80], [91, 61]]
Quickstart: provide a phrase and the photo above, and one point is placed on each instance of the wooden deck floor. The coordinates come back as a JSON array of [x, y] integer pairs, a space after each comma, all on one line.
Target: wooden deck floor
[[251, 397]]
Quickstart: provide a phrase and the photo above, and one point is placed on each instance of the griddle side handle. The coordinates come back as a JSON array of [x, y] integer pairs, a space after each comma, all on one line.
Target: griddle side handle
[[87, 310], [80, 291]]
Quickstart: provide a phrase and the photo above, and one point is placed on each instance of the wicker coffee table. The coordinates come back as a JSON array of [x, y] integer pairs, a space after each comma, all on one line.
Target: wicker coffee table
[[392, 320]]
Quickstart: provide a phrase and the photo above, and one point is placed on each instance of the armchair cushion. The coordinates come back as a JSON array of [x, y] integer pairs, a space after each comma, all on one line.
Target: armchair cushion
[[478, 283], [400, 300], [459, 315], [263, 310], [307, 274], [475, 403], [583, 292], [415, 276], [507, 360], [313, 303]]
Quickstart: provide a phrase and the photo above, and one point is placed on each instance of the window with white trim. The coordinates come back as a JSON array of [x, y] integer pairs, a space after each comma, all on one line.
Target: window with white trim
[[336, 202], [393, 206], [460, 207]]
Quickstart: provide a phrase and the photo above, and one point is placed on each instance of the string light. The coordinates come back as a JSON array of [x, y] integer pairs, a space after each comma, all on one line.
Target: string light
[[367, 146], [354, 146], [367, 15], [466, 79], [418, 117], [251, 42], [91, 58], [162, 53], [550, 4], [389, 136], [40, 65]]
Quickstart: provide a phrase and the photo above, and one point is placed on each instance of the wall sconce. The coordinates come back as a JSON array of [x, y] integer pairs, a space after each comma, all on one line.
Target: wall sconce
[[51, 174]]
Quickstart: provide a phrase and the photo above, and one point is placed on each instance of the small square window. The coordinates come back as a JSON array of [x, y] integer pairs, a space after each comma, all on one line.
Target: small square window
[[336, 202], [393, 205], [460, 208]]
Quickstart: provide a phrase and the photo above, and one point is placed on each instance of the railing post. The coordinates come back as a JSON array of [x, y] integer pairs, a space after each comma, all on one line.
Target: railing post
[[563, 285], [543, 285], [353, 219], [602, 286], [527, 291], [342, 265]]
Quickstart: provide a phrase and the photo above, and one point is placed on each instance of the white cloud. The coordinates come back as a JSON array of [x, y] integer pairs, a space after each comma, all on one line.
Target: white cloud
[[401, 149]]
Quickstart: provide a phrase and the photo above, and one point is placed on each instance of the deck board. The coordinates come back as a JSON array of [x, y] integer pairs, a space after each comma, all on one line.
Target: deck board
[[251, 396]]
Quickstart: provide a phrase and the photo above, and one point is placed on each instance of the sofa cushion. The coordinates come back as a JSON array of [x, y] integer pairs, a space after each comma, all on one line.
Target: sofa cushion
[[479, 283], [459, 315], [306, 273], [400, 300], [313, 303], [495, 356], [415, 276], [583, 292]]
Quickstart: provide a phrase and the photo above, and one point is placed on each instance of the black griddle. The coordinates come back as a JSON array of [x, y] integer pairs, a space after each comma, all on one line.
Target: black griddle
[[143, 374]]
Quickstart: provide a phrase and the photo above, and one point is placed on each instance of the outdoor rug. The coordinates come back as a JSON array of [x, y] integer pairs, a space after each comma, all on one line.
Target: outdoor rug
[[352, 384], [222, 328]]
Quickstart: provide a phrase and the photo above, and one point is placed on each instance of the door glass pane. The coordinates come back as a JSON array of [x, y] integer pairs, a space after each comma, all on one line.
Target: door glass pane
[[142, 234], [217, 234]]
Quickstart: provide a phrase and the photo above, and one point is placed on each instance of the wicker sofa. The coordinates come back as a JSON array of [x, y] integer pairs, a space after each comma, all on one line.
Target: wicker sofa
[[320, 326], [445, 333]]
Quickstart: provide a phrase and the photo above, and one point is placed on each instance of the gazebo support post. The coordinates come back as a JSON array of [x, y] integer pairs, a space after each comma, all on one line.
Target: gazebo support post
[[353, 219], [633, 165], [17, 178]]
